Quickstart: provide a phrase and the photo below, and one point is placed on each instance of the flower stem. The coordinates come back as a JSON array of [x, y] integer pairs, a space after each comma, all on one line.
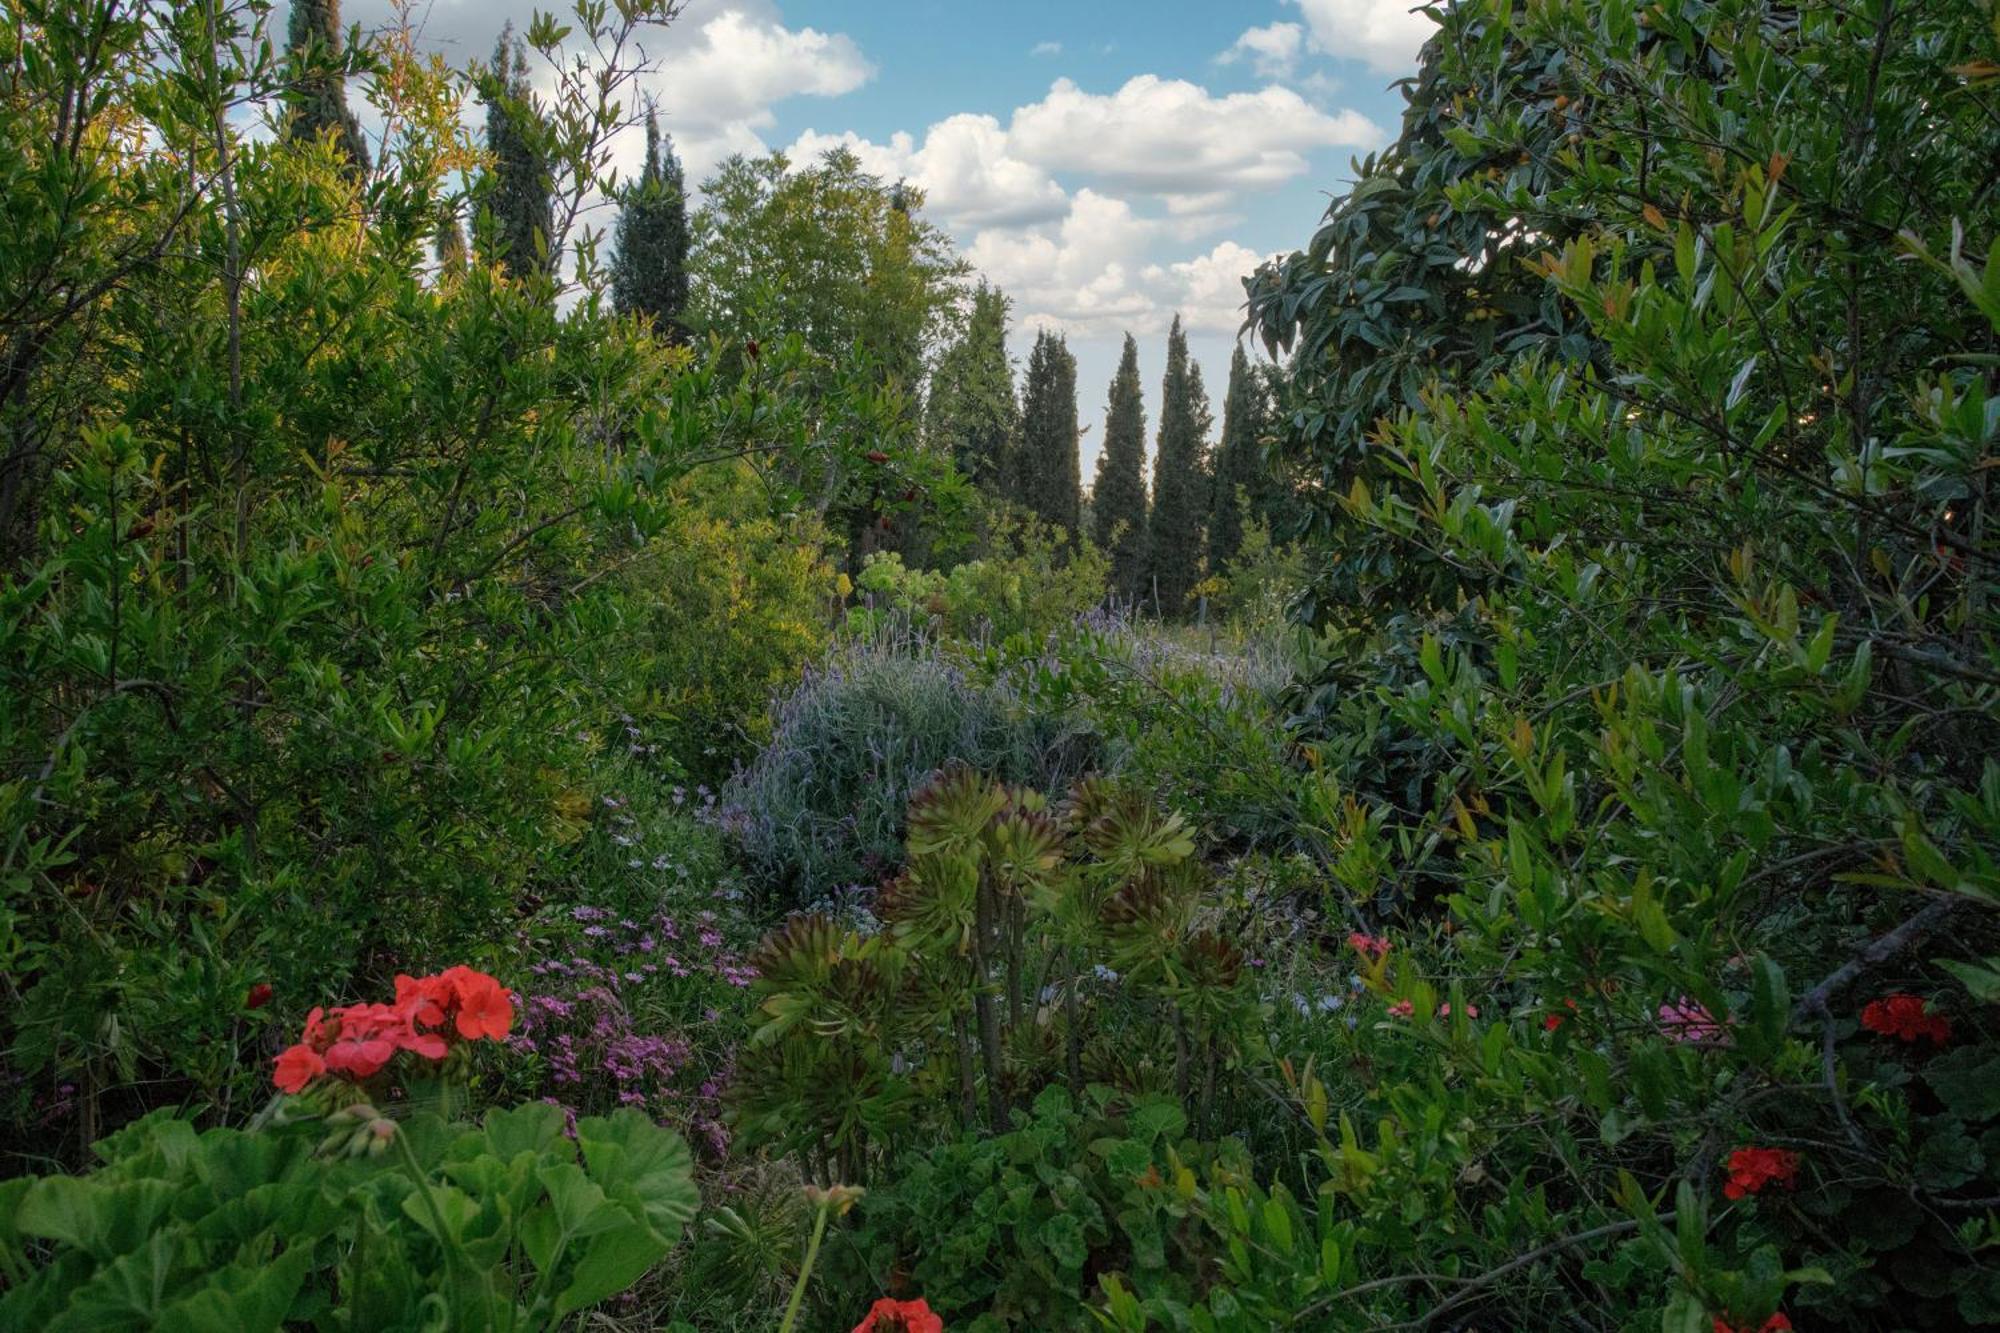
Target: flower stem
[[454, 1257], [805, 1270]]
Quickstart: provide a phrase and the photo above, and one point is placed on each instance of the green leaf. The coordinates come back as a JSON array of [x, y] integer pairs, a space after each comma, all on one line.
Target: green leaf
[[532, 1127], [1770, 1005], [1968, 1082], [1653, 1078], [635, 1160], [1062, 1235], [613, 1261], [1982, 979], [1155, 1119]]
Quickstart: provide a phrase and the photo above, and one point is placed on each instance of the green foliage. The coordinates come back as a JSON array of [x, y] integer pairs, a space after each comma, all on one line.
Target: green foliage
[[649, 265], [940, 1021], [821, 806], [1656, 687], [353, 1222], [972, 416], [1051, 476], [1118, 496], [829, 252], [1176, 543], [727, 608], [1253, 590], [326, 600], [1035, 585], [1009, 1231]]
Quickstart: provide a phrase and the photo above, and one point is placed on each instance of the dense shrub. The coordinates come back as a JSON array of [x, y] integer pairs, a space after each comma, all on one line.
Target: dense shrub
[[1010, 1232], [331, 585], [1024, 944], [1035, 583], [821, 807], [727, 609], [1659, 682]]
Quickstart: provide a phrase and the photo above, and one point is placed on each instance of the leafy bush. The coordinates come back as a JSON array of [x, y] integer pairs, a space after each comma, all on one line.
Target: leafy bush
[[1011, 1231], [1023, 945], [1659, 689], [328, 581], [509, 1224], [1035, 584], [821, 807], [729, 606]]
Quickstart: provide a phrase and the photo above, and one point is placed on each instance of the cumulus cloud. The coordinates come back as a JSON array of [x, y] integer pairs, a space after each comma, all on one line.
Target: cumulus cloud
[[1047, 49], [1384, 33], [1207, 290], [969, 176], [725, 70], [1172, 137], [1272, 50]]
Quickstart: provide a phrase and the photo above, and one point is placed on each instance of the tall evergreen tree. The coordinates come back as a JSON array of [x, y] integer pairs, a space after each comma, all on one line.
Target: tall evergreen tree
[[517, 213], [1118, 496], [452, 255], [973, 415], [1051, 476], [649, 269], [1246, 416], [316, 99], [1180, 497]]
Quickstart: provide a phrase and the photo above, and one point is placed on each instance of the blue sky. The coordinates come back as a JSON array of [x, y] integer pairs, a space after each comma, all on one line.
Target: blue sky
[[1107, 163]]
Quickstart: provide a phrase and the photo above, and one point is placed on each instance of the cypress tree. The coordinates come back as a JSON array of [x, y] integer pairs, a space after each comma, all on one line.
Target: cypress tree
[[1238, 467], [1051, 474], [972, 415], [1180, 497], [517, 213], [1118, 496], [452, 256], [317, 97], [649, 272]]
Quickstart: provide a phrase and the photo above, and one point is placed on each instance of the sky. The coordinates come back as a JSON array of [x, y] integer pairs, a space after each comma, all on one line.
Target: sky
[[1106, 163]]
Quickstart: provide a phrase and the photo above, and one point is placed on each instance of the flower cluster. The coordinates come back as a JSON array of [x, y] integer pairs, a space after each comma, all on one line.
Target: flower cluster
[[1751, 1169], [1905, 1018], [1686, 1020], [1368, 946], [893, 1316], [356, 1041], [618, 1022]]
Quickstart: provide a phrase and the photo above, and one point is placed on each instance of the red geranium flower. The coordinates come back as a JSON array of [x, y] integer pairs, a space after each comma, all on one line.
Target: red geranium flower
[[358, 1040], [1904, 1018], [258, 997], [485, 1009], [892, 1316], [1751, 1169], [298, 1066], [1368, 946]]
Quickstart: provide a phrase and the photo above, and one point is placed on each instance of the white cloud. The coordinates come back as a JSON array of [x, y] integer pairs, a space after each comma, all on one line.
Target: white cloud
[[1168, 136], [968, 175], [1273, 50], [1384, 33], [1078, 274], [720, 78], [1047, 49], [1208, 289]]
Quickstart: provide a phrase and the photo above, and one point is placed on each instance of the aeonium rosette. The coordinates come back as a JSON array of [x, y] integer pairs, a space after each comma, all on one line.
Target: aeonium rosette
[[429, 1016]]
